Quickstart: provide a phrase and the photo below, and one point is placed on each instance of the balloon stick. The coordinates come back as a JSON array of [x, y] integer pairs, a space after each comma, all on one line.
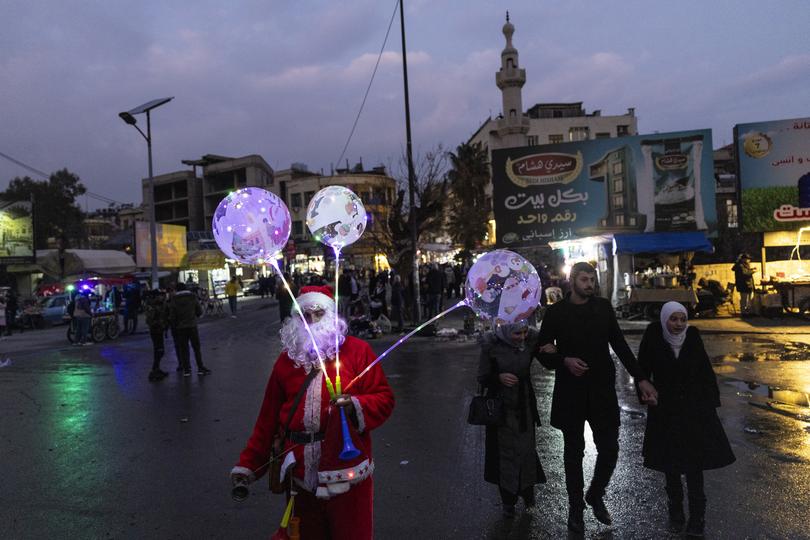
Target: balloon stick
[[329, 386], [403, 339], [337, 322]]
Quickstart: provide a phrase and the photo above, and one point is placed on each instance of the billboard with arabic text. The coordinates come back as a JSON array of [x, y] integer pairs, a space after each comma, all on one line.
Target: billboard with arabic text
[[644, 183], [773, 160]]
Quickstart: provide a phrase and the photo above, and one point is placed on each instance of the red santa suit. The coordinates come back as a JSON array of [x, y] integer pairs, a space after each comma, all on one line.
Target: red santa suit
[[323, 513]]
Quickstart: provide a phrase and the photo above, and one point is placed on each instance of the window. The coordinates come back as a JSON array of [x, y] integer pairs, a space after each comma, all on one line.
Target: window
[[621, 131], [731, 214], [578, 133], [619, 219], [298, 228], [308, 197], [556, 138], [618, 167], [603, 135], [295, 201], [618, 184], [531, 140], [512, 112], [618, 201]]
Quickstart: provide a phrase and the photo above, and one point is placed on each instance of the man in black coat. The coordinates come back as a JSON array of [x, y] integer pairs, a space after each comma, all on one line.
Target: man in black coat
[[582, 326]]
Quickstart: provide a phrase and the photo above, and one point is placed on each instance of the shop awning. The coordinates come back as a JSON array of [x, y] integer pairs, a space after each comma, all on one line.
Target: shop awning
[[662, 242], [81, 261], [203, 259]]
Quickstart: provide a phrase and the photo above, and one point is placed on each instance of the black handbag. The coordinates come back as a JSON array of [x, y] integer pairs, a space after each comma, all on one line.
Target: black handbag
[[485, 410]]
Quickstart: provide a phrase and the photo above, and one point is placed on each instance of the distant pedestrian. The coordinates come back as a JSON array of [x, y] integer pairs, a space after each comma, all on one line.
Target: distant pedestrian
[[684, 436], [397, 303], [132, 307], [11, 311], [511, 461], [744, 281], [183, 312], [170, 291], [285, 302], [157, 319], [450, 280], [435, 284], [83, 315], [231, 290]]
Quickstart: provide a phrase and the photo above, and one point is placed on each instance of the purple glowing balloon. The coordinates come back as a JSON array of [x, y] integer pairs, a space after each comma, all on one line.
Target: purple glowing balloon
[[251, 225], [503, 287]]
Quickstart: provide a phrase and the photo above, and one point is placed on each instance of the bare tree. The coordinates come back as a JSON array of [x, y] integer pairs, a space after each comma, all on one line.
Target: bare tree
[[394, 237]]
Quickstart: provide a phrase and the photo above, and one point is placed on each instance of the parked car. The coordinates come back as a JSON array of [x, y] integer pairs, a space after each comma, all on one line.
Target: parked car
[[54, 309], [251, 288]]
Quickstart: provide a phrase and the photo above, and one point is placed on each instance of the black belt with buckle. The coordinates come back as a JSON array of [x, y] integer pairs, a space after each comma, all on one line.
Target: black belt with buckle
[[305, 437]]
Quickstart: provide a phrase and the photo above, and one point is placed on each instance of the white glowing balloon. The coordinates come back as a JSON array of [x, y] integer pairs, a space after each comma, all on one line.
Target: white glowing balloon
[[336, 216]]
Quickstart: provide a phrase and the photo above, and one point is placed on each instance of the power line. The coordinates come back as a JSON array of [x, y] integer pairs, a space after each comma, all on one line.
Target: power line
[[45, 175], [368, 88]]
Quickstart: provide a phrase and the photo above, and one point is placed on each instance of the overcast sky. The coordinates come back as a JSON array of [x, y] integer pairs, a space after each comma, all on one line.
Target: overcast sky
[[284, 79]]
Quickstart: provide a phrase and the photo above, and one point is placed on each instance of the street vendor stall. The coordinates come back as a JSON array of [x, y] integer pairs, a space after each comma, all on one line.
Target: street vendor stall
[[785, 285], [654, 268]]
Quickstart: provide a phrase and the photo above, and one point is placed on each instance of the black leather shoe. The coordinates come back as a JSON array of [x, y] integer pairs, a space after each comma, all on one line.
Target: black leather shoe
[[576, 524], [676, 517], [694, 529], [600, 511]]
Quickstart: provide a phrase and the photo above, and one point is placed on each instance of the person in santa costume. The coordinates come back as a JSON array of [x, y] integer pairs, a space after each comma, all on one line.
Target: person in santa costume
[[333, 496]]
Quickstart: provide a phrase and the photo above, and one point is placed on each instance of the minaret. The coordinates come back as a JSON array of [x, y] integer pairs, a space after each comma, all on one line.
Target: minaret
[[514, 126]]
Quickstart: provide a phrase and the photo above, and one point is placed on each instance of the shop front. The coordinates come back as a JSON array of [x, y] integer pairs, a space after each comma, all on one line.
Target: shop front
[[654, 268]]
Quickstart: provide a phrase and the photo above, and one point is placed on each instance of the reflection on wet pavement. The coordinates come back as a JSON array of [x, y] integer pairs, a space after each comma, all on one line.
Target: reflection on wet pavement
[[767, 352]]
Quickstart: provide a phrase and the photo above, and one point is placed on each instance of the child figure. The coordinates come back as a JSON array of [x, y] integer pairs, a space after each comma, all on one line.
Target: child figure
[[684, 436]]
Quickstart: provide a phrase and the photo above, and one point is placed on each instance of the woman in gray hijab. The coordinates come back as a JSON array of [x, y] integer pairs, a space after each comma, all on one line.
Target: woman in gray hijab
[[511, 459]]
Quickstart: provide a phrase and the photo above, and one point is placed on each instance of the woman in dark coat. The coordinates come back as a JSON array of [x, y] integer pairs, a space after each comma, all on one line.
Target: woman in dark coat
[[684, 436], [511, 459]]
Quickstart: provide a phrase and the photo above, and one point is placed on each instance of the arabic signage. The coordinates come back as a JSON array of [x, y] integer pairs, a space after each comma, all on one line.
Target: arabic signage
[[644, 183], [16, 232], [774, 167], [171, 245]]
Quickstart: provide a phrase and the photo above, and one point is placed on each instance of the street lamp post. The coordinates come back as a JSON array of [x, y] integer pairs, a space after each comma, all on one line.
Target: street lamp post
[[129, 118]]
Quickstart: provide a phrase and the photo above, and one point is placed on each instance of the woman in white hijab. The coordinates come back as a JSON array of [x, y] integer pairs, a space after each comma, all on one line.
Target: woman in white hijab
[[683, 436]]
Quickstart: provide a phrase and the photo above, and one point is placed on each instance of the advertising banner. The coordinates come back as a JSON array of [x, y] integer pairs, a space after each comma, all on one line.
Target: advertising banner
[[16, 232], [644, 183], [774, 167], [171, 245]]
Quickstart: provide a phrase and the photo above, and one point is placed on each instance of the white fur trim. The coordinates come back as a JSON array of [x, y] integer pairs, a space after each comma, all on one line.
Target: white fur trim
[[289, 461], [245, 471], [312, 424], [361, 421], [352, 475], [312, 300]]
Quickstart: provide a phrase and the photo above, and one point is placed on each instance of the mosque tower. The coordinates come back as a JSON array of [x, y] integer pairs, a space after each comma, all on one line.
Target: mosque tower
[[514, 125]]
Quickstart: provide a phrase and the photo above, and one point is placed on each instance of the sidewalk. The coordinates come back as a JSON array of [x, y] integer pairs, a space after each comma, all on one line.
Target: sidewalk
[[787, 324]]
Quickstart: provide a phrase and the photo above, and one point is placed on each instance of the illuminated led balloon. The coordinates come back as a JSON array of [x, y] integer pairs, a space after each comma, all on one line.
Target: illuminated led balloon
[[336, 216], [503, 287], [251, 225]]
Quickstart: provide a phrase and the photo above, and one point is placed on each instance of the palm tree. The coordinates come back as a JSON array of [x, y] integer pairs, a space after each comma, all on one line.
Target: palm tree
[[468, 176]]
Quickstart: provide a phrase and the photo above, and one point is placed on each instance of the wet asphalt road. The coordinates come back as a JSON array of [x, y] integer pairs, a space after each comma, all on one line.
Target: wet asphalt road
[[90, 449]]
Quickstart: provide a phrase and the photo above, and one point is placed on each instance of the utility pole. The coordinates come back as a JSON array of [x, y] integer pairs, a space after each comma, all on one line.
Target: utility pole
[[411, 175]]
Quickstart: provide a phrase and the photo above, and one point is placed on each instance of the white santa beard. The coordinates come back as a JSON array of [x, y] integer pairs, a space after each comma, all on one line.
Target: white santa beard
[[297, 342]]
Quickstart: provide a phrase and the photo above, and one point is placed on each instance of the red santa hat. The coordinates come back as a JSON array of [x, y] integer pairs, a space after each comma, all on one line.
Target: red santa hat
[[312, 298], [336, 475]]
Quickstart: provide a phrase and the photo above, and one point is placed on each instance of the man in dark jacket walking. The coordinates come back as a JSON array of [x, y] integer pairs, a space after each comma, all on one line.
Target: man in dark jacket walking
[[744, 281], [157, 319], [183, 312], [582, 326]]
